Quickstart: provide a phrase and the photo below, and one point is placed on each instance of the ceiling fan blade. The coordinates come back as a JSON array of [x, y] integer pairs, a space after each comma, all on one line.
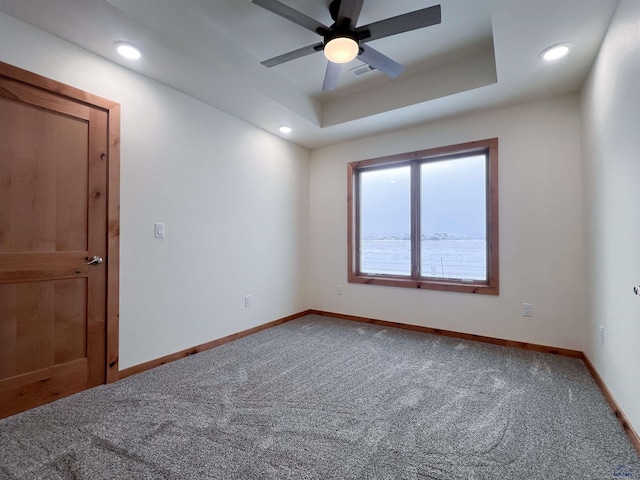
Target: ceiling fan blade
[[285, 57], [349, 9], [295, 16], [331, 76], [402, 23], [380, 62]]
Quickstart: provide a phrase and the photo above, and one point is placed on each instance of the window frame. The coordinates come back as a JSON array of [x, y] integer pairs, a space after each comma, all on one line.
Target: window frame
[[488, 147]]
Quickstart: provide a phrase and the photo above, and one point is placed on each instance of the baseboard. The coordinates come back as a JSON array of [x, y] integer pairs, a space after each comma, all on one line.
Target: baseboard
[[617, 411], [464, 336], [631, 433], [143, 367]]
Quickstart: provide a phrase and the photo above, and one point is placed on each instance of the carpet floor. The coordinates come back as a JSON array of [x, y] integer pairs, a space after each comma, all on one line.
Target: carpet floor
[[320, 398]]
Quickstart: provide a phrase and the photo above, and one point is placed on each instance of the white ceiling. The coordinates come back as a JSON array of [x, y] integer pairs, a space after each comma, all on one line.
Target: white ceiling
[[484, 54]]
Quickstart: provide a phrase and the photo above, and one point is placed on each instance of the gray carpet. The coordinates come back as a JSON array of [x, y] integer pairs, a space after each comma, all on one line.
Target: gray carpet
[[319, 398]]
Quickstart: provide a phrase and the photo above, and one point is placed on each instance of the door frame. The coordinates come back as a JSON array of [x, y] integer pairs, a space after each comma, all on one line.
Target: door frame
[[112, 110]]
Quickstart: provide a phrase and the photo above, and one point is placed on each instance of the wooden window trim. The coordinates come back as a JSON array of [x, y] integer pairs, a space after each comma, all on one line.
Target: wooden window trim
[[491, 286]]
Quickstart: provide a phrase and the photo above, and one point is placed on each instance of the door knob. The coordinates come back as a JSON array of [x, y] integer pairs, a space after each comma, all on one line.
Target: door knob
[[95, 260]]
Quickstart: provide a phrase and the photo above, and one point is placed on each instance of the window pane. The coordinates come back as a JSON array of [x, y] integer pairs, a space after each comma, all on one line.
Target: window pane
[[453, 218], [385, 221]]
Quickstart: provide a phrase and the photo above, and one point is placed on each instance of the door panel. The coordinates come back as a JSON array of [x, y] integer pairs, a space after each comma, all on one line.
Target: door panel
[[42, 386], [53, 217], [44, 178], [70, 307], [43, 324]]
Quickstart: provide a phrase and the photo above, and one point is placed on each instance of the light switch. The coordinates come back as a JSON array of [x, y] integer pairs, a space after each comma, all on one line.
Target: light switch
[[159, 230]]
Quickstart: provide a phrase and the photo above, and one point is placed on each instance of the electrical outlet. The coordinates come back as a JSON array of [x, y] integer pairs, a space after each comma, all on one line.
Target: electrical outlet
[[601, 335], [247, 300], [527, 310]]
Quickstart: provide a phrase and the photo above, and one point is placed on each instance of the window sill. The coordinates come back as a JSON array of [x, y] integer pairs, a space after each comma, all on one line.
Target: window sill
[[447, 285]]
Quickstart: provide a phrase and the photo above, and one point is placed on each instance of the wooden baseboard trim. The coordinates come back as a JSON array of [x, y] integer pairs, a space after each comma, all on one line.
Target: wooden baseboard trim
[[142, 367], [617, 411], [464, 336], [631, 433]]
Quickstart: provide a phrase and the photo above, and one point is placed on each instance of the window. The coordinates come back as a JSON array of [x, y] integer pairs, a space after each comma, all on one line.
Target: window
[[426, 219]]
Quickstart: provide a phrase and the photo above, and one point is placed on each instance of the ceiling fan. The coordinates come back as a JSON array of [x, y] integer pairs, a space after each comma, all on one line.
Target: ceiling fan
[[343, 41]]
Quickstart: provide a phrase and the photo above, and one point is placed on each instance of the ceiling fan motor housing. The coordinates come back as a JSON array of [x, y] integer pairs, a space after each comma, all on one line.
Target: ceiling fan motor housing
[[334, 9], [341, 33]]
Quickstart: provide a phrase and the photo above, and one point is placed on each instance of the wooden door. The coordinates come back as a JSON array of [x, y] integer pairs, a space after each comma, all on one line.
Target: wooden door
[[54, 216]]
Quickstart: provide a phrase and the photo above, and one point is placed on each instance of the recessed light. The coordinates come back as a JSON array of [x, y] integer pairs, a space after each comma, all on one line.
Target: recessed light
[[128, 50], [555, 52], [285, 129]]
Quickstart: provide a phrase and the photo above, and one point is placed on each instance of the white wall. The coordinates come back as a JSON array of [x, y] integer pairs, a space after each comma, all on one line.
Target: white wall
[[540, 228], [611, 146], [234, 200]]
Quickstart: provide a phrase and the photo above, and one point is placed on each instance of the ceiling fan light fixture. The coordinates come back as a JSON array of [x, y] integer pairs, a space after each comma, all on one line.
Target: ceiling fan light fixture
[[341, 49]]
